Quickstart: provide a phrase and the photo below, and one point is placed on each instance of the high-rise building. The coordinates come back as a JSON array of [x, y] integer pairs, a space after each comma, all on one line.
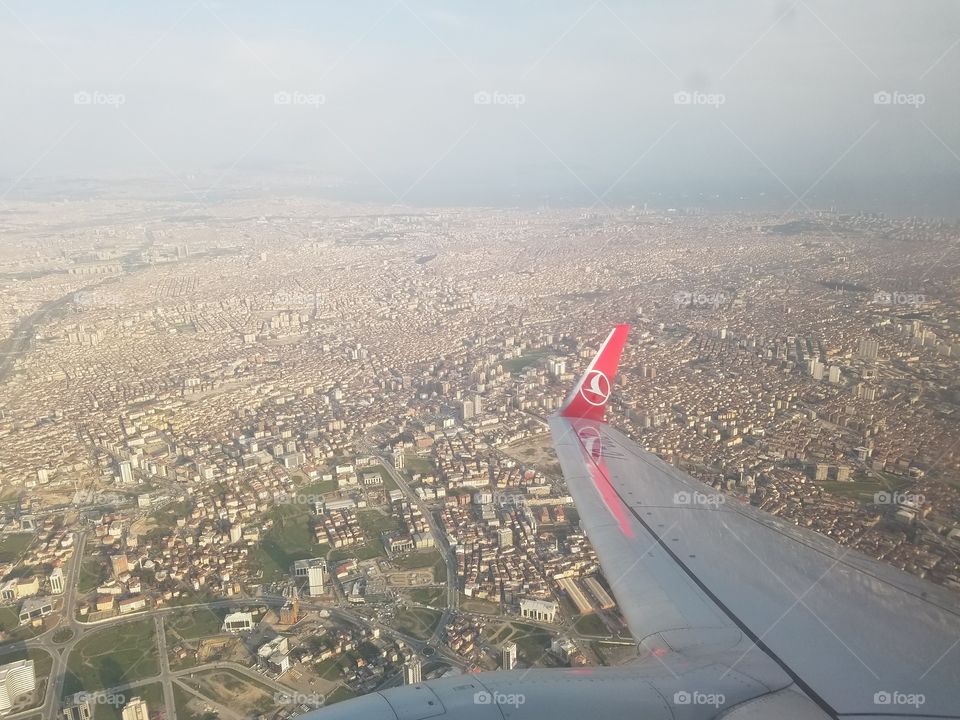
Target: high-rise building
[[16, 680], [126, 472], [834, 376], [315, 580], [556, 366], [508, 656], [412, 672], [821, 471], [398, 458], [466, 410], [504, 537], [815, 368], [477, 405], [56, 581], [136, 709], [868, 349]]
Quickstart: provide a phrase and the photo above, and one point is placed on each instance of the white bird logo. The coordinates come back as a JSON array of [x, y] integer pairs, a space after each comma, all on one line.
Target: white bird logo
[[595, 388]]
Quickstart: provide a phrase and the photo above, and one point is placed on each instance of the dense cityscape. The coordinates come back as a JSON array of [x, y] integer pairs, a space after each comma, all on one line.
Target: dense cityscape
[[282, 453]]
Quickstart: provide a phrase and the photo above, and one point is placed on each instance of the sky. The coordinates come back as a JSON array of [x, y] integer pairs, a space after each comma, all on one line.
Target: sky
[[797, 105]]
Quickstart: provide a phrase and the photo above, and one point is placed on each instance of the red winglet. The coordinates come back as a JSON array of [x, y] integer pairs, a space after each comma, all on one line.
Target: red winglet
[[588, 399]]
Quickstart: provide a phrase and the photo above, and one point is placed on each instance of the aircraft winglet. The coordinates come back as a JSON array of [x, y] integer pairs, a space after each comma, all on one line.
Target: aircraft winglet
[[589, 396]]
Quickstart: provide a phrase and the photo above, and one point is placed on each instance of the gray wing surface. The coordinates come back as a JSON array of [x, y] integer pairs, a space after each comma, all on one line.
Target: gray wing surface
[[695, 573]]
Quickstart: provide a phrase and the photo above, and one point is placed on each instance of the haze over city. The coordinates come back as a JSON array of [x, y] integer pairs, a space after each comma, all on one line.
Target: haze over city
[[582, 100], [398, 359]]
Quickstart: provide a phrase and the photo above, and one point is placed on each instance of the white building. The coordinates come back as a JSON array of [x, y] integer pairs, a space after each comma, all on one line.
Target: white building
[[542, 610], [508, 656], [136, 709], [16, 680], [315, 571], [56, 581], [237, 622], [412, 672]]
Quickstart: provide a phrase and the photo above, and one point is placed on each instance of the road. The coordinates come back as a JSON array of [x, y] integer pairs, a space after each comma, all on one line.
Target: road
[[439, 537]]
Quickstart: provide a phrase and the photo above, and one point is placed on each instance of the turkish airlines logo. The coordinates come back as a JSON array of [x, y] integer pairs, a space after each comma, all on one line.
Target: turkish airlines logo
[[595, 388]]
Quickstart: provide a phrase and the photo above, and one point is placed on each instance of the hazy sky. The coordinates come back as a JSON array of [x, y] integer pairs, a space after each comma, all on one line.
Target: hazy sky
[[581, 98]]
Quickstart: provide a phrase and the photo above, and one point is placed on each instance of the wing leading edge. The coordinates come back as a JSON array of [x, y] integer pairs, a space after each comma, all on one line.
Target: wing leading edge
[[698, 574]]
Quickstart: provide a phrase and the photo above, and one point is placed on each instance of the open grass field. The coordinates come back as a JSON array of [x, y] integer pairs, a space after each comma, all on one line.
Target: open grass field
[[13, 546], [864, 489], [417, 622], [414, 464], [590, 624], [434, 597], [420, 559], [527, 359], [194, 623], [484, 607], [93, 571], [9, 619], [113, 656], [289, 539], [375, 522]]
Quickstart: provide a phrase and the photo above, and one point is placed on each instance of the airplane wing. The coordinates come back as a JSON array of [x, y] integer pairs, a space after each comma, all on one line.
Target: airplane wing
[[697, 574]]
